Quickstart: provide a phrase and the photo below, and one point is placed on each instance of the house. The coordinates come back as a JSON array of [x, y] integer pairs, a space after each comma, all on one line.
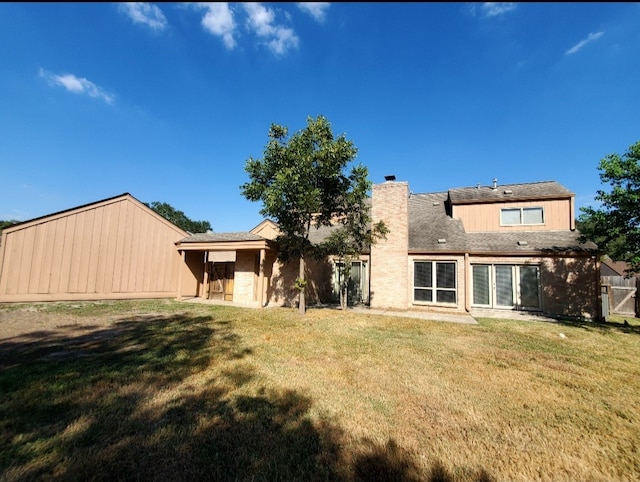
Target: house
[[508, 247], [498, 247]]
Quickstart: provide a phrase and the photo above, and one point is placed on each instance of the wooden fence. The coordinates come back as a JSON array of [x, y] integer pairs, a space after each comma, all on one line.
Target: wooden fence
[[623, 295]]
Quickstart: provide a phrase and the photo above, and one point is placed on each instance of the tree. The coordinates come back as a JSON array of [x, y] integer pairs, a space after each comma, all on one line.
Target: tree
[[7, 223], [355, 235], [303, 185], [614, 226], [179, 218]]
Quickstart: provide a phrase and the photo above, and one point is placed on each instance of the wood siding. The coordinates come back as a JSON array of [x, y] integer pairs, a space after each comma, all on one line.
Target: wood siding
[[112, 249], [486, 217]]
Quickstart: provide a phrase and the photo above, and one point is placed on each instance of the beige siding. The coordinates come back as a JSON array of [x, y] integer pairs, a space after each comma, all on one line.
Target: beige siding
[[106, 250], [486, 217]]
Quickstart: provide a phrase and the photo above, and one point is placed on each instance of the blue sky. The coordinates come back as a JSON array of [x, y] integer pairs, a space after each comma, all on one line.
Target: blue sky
[[168, 101]]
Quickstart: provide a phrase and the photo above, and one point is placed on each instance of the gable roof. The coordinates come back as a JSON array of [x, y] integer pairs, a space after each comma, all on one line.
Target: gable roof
[[93, 205], [509, 192]]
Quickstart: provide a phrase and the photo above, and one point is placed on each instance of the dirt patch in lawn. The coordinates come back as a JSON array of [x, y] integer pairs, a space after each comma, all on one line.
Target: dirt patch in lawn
[[31, 322]]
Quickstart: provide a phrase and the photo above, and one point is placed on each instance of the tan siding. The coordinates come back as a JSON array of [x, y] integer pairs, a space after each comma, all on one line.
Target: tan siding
[[67, 251], [59, 227], [37, 258], [83, 252], [14, 249], [111, 264], [146, 255], [94, 251], [47, 258], [101, 256], [486, 217], [109, 250]]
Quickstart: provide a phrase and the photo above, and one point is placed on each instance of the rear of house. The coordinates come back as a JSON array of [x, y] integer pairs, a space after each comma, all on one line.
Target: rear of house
[[509, 247]]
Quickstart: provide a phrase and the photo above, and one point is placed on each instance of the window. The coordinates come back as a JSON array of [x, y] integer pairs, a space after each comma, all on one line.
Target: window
[[358, 284], [506, 286], [434, 282], [515, 216]]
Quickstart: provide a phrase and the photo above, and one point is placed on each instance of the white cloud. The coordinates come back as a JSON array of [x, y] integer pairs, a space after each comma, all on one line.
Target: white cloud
[[316, 9], [219, 21], [261, 21], [590, 38], [491, 9], [145, 13], [77, 85]]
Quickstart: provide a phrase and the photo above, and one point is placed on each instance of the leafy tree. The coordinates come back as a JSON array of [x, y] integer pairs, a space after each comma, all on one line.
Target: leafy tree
[[179, 218], [303, 185], [7, 223], [354, 236], [615, 225]]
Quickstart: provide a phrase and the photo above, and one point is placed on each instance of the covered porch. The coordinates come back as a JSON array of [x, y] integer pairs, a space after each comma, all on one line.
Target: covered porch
[[227, 267]]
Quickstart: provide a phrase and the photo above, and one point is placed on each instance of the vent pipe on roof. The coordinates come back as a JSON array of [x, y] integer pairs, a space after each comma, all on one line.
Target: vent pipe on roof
[[495, 183]]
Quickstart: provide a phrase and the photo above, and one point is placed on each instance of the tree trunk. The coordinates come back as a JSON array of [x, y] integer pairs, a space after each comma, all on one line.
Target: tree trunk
[[302, 308]]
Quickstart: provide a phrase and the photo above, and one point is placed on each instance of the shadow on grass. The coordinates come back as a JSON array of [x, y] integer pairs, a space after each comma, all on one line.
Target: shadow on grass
[[602, 326], [161, 398]]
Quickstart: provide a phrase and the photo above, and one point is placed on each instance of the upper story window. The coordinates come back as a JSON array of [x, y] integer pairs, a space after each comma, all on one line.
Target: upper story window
[[517, 216]]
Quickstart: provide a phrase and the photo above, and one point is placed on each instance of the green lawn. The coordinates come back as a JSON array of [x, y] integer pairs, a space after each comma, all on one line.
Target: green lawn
[[164, 390]]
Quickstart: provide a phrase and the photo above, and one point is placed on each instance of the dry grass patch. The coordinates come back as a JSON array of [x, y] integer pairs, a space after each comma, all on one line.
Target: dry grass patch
[[167, 390]]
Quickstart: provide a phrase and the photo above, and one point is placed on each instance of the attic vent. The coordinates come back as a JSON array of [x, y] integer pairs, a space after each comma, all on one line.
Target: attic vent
[[508, 191], [523, 243], [390, 178], [442, 241], [495, 184]]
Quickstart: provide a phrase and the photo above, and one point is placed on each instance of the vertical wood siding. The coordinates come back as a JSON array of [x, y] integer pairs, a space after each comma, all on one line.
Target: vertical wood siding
[[107, 250], [486, 217]]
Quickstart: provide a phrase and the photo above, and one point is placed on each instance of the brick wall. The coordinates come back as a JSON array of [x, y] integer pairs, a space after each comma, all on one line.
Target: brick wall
[[245, 276], [389, 258]]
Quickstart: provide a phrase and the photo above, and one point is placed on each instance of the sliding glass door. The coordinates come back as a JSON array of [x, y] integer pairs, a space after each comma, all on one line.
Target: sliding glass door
[[506, 286]]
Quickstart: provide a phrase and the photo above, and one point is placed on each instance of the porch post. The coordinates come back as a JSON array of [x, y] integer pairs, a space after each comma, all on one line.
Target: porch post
[[261, 285], [205, 287], [184, 261]]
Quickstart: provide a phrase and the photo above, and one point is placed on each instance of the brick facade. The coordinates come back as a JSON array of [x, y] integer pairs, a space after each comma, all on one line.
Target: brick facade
[[389, 258]]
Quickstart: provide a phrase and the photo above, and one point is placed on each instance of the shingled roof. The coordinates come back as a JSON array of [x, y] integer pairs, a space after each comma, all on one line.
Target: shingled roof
[[507, 192], [221, 237], [433, 230]]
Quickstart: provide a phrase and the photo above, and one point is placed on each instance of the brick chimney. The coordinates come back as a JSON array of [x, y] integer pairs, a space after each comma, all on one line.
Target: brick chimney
[[389, 258]]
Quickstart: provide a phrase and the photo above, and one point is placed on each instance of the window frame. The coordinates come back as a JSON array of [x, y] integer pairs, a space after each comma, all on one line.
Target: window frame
[[436, 285], [521, 215]]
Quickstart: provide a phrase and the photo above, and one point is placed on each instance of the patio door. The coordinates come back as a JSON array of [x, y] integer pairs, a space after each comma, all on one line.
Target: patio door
[[506, 286]]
